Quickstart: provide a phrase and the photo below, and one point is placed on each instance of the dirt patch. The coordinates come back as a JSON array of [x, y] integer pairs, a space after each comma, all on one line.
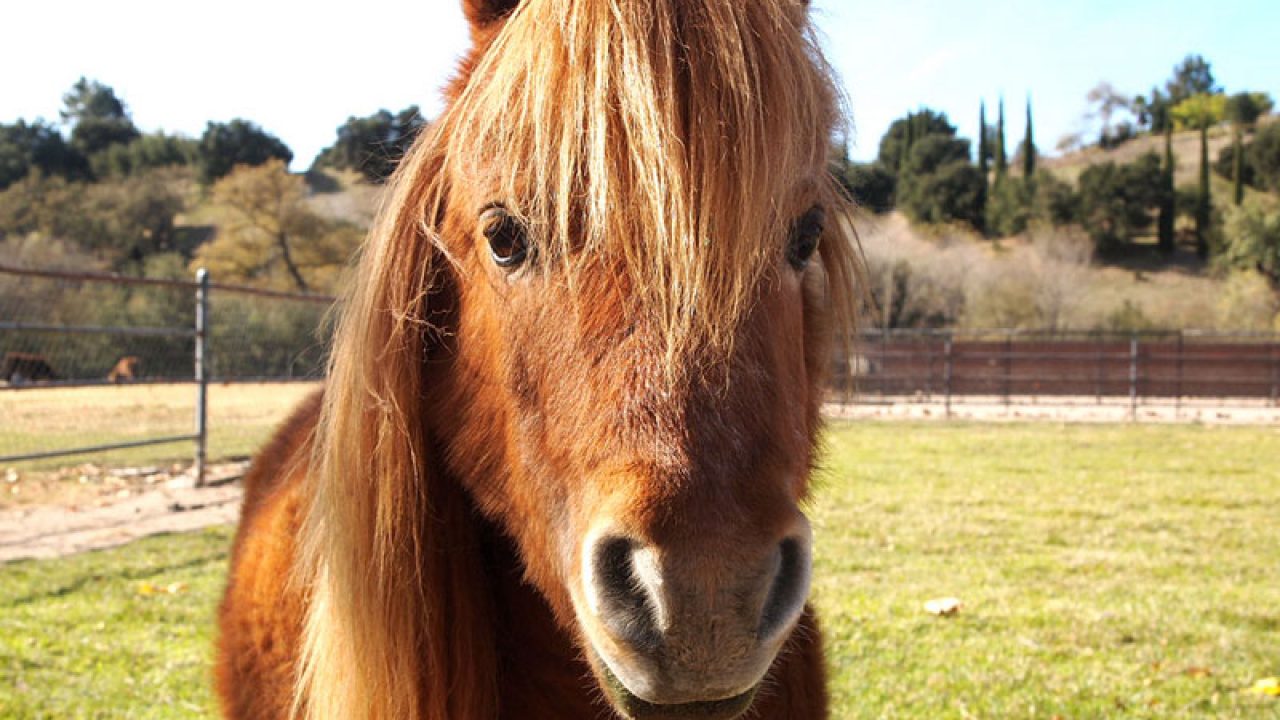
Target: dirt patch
[[116, 507]]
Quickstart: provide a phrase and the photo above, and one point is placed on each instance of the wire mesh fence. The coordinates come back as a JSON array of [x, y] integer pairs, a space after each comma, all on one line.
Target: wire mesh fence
[[90, 360], [950, 368]]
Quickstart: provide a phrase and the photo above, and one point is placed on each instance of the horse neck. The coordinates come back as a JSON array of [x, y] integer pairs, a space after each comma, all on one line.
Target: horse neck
[[541, 671]]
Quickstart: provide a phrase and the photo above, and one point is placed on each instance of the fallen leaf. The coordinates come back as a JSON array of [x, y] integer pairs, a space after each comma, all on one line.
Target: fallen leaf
[[1269, 686], [148, 588], [1197, 672], [943, 607]]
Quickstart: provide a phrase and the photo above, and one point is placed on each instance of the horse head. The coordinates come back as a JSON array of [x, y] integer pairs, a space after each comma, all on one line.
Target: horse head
[[597, 305]]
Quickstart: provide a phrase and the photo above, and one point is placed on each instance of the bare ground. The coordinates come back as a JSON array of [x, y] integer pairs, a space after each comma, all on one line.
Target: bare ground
[[110, 512]]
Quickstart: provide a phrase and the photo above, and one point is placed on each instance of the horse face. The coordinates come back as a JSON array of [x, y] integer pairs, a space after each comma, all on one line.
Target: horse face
[[656, 511]]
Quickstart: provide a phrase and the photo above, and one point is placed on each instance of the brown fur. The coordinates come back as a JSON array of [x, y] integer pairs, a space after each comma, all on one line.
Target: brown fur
[[411, 542], [20, 367]]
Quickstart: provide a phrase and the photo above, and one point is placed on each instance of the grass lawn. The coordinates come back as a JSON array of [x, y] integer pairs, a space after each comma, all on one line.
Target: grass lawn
[[79, 637], [1105, 571]]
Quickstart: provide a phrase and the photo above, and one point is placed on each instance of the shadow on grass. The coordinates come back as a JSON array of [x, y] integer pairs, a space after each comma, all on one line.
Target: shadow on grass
[[127, 574]]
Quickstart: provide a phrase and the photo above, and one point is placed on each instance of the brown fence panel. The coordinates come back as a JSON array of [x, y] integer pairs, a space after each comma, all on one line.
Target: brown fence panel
[[1009, 363]]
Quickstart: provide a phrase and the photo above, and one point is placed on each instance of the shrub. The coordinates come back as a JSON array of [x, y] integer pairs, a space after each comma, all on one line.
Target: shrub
[[1247, 303], [870, 185], [1117, 201], [1251, 238], [1128, 318], [1263, 155]]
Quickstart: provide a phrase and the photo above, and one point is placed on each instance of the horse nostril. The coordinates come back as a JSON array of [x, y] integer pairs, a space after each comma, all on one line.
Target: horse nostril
[[790, 588], [622, 600]]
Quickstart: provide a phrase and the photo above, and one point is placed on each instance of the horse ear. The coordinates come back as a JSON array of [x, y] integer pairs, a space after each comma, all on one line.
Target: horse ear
[[483, 14]]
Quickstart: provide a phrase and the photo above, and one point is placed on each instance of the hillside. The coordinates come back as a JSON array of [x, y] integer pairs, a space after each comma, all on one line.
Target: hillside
[[950, 277], [1186, 152]]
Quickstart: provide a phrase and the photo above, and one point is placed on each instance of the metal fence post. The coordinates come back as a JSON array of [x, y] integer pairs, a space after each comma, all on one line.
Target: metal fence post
[[948, 372], [202, 373], [1008, 369], [1275, 377], [1177, 402], [1098, 350], [1133, 377]]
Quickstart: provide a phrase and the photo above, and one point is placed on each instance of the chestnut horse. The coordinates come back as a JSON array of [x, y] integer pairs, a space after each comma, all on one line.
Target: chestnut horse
[[558, 466]]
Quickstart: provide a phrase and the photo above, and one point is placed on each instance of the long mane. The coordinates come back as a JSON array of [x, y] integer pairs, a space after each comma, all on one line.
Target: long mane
[[666, 135]]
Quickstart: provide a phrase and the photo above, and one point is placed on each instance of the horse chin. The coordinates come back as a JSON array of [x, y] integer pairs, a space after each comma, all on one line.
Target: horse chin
[[633, 707]]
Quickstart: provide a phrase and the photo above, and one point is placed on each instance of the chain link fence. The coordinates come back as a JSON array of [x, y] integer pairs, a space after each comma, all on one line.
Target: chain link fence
[[122, 367]]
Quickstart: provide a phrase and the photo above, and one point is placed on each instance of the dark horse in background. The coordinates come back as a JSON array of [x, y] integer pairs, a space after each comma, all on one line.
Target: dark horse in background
[[558, 465]]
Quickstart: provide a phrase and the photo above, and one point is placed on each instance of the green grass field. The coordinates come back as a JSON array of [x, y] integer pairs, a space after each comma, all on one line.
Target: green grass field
[[1105, 571]]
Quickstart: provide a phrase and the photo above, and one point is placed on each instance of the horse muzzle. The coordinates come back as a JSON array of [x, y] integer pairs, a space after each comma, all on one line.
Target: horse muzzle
[[689, 632]]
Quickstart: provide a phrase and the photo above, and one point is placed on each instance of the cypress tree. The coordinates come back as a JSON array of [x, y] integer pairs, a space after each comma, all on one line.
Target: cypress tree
[[1168, 198], [984, 154], [1237, 166], [906, 145], [1002, 161], [1029, 147], [1204, 203]]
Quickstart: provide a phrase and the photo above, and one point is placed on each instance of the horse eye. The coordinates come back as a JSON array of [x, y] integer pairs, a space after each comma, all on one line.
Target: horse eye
[[508, 243], [805, 233]]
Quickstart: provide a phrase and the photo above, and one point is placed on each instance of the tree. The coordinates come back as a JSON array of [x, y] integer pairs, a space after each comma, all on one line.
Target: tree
[[1009, 207], [1263, 156], [154, 150], [36, 146], [98, 118], [1253, 238], [120, 221], [134, 216], [239, 142], [373, 145], [89, 99], [268, 227], [1242, 110], [869, 185], [1191, 77], [984, 157], [896, 144], [1168, 198], [1226, 168], [1152, 112], [1029, 148], [1002, 160], [1105, 102], [1201, 112], [938, 183], [1116, 200], [1245, 108], [1019, 204]]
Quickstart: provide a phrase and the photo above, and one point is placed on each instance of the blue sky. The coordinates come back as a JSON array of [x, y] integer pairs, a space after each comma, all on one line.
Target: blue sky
[[300, 69]]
